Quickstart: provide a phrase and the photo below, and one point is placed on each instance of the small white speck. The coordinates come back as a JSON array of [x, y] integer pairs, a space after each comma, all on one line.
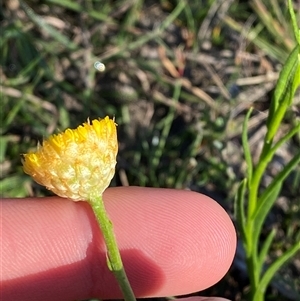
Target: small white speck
[[99, 66]]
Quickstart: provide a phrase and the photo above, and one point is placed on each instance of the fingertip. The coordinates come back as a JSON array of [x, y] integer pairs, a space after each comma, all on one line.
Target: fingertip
[[187, 234]]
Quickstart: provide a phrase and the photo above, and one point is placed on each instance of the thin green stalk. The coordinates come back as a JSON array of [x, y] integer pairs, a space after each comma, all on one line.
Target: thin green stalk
[[114, 260], [253, 276], [253, 186]]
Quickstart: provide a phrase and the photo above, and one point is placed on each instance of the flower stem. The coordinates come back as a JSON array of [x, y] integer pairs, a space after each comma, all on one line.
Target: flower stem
[[114, 260]]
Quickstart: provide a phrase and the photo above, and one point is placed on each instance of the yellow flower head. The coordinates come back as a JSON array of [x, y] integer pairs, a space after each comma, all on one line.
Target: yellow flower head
[[77, 164]]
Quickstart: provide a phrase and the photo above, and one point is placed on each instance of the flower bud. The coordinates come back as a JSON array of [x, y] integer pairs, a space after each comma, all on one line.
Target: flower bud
[[77, 164]]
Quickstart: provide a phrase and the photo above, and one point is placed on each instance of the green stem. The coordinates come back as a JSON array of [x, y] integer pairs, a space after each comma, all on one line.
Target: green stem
[[251, 261], [114, 260], [264, 159], [251, 244]]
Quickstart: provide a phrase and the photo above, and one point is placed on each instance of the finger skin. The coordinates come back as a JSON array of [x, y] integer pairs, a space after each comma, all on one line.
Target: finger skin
[[202, 299], [172, 242]]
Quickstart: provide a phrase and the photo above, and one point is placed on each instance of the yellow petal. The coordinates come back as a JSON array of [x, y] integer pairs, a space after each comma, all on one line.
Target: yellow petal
[[77, 164]]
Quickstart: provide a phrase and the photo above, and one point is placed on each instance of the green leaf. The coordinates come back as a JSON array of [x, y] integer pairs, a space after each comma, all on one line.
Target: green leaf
[[296, 82], [284, 92], [295, 130], [263, 210], [239, 208], [246, 146], [274, 267], [294, 21], [286, 76], [263, 199], [269, 196], [265, 248]]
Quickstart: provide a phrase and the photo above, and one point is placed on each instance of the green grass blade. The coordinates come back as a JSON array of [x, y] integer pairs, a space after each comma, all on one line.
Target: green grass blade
[[274, 28], [167, 123], [268, 47], [146, 38], [9, 118], [49, 29], [72, 5], [175, 13]]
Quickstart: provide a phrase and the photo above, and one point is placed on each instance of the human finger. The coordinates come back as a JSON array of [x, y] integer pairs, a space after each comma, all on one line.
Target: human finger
[[172, 242]]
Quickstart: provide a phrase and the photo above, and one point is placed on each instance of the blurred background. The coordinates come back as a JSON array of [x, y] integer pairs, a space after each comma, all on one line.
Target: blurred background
[[178, 76]]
